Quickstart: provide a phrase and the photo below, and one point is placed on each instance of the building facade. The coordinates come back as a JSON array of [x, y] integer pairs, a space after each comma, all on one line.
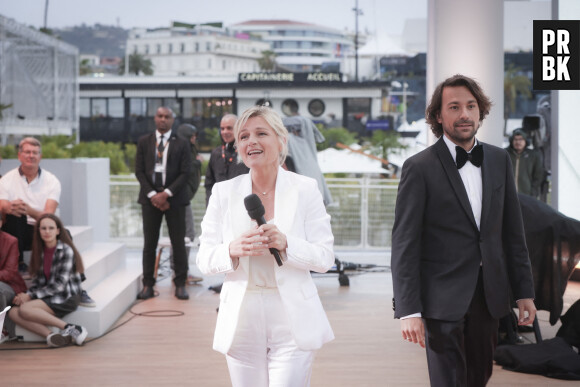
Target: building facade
[[303, 47], [196, 50], [121, 109]]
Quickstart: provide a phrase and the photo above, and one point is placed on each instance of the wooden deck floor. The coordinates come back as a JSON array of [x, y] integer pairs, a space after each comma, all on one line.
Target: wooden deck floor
[[164, 341]]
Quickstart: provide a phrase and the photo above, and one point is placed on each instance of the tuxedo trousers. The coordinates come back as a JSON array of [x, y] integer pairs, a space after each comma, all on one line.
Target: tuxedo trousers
[[264, 353], [460, 353], [175, 219]]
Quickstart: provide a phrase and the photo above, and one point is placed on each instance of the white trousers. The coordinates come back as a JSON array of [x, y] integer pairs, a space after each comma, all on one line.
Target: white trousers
[[264, 353]]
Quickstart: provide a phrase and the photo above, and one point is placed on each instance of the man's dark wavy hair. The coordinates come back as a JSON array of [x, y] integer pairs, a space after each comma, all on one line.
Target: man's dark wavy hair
[[434, 109]]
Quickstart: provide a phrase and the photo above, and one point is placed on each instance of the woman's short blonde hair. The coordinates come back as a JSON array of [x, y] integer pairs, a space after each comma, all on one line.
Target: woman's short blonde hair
[[272, 118]]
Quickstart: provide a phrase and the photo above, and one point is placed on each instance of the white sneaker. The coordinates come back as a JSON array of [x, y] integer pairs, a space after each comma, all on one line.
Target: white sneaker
[[75, 333], [58, 339]]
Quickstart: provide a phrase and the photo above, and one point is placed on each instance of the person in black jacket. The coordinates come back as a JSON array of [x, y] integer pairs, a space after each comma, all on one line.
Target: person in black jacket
[[189, 133], [162, 167], [223, 162], [458, 245], [527, 164]]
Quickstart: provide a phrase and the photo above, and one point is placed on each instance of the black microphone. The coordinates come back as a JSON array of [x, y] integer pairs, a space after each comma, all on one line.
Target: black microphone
[[256, 211]]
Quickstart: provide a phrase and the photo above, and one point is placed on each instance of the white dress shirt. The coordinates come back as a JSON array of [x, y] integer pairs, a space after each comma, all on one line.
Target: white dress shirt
[[166, 136]]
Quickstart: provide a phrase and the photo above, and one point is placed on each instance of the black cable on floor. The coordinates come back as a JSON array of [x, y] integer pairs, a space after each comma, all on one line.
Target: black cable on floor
[[151, 313]]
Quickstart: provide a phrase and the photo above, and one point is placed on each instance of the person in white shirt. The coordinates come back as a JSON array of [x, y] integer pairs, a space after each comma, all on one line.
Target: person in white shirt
[[271, 320], [26, 193]]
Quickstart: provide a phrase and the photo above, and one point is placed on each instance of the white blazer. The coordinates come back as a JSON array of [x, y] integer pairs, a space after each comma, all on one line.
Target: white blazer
[[301, 216]]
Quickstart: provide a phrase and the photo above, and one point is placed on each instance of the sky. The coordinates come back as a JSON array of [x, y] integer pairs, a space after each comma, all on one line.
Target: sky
[[385, 16]]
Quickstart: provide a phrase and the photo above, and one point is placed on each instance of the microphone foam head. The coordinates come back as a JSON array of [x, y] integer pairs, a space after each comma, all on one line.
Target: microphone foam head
[[254, 206]]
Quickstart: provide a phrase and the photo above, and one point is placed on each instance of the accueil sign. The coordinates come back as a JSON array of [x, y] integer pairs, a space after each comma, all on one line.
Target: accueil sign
[[314, 77]]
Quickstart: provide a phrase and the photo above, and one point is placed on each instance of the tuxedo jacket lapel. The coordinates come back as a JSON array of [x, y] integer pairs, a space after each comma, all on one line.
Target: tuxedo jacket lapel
[[487, 169], [450, 169], [150, 155]]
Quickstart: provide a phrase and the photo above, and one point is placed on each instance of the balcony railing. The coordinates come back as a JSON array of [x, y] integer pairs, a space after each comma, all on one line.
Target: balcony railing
[[362, 211]]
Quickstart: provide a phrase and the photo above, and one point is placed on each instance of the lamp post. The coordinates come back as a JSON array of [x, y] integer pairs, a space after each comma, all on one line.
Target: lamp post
[[45, 13], [357, 12]]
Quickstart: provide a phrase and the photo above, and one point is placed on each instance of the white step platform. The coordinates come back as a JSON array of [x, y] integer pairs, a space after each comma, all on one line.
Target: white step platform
[[113, 281]]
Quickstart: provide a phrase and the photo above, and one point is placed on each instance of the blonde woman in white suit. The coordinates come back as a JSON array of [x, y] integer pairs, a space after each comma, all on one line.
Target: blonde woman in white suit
[[270, 321]]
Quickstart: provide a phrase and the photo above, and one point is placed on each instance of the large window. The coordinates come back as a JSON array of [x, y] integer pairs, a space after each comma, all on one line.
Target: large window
[[206, 108], [116, 108], [99, 107], [155, 103], [137, 107], [85, 107], [357, 111], [152, 105]]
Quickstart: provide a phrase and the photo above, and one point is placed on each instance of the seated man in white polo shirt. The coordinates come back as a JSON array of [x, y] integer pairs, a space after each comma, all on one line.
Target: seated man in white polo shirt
[[26, 193]]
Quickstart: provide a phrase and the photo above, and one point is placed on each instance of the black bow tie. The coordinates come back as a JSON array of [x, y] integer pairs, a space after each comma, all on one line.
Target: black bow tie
[[475, 156]]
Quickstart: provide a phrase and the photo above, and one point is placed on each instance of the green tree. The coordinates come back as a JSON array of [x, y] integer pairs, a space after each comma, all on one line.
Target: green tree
[[8, 152], [51, 150], [137, 64], [130, 152], [514, 84], [112, 151], [335, 135], [85, 67], [60, 140], [268, 61], [385, 142]]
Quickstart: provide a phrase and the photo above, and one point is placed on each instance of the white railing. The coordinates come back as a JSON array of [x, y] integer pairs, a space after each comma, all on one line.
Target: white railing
[[362, 211]]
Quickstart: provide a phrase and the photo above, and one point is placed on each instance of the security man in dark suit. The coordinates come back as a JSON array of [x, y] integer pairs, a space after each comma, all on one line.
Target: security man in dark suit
[[162, 167], [458, 245]]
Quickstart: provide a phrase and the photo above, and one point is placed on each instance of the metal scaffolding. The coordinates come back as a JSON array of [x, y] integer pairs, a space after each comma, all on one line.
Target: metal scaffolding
[[39, 78]]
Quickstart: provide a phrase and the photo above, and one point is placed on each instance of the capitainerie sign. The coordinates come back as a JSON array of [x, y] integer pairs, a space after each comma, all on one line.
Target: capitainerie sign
[[290, 78]]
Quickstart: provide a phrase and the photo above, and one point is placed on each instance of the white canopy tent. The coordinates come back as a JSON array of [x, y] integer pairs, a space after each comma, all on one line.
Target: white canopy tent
[[414, 144], [345, 161]]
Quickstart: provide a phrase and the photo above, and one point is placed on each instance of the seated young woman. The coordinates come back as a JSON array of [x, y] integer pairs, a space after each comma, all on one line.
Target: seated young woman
[[55, 265]]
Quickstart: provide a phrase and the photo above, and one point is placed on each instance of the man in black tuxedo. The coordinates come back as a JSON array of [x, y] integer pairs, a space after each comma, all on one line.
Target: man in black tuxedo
[[458, 245], [162, 167]]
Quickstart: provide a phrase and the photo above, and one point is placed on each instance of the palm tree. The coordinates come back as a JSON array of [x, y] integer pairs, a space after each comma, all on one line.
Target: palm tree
[[514, 84], [385, 142], [137, 64], [268, 60]]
